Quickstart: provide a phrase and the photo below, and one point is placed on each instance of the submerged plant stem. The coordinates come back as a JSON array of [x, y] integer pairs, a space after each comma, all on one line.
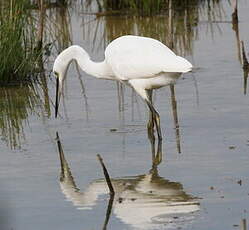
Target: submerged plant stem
[[106, 174]]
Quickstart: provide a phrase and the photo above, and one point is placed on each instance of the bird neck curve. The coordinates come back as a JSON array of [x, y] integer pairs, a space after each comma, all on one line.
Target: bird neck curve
[[96, 69]]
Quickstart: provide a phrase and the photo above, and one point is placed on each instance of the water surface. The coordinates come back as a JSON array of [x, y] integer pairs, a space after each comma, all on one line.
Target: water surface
[[210, 174]]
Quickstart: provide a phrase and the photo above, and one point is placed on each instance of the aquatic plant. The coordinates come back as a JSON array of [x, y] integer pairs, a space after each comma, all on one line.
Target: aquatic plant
[[18, 47], [142, 7], [28, 32], [146, 7]]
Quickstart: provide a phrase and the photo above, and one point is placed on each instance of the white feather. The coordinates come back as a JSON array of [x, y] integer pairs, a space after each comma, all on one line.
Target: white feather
[[133, 57]]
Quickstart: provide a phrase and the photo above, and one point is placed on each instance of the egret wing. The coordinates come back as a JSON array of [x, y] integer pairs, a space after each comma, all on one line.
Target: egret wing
[[133, 57]]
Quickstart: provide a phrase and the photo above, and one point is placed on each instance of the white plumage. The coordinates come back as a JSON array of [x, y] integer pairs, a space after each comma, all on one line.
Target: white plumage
[[133, 57], [143, 63]]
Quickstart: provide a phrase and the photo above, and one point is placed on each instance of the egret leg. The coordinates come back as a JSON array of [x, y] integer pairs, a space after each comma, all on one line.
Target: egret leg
[[150, 124], [156, 119], [156, 156], [158, 125], [151, 136], [145, 95]]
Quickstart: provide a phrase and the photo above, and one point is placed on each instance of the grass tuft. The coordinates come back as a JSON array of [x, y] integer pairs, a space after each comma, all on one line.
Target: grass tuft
[[18, 53]]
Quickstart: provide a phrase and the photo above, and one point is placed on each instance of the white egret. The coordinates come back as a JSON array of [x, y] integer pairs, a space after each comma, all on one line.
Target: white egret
[[140, 62]]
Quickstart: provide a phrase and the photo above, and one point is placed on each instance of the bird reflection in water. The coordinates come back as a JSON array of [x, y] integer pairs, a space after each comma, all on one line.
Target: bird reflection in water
[[145, 201], [240, 45], [245, 67]]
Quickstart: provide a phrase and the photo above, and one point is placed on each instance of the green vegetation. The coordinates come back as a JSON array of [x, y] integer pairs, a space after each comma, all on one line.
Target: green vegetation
[[147, 7], [142, 7], [17, 41], [26, 29], [22, 27]]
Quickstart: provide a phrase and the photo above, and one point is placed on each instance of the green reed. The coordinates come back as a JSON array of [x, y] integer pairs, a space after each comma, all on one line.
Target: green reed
[[147, 7], [18, 51]]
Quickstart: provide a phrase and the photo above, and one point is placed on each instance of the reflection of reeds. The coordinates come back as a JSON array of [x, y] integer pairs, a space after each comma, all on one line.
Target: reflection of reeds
[[175, 116], [155, 26], [243, 225], [146, 7], [26, 29], [176, 27], [235, 11], [235, 26], [142, 7], [245, 67], [17, 103], [58, 27]]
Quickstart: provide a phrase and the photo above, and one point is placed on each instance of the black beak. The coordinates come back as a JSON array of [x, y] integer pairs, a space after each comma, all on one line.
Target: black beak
[[57, 100]]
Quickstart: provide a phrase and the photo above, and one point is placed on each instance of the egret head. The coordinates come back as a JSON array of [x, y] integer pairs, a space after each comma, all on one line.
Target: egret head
[[60, 67]]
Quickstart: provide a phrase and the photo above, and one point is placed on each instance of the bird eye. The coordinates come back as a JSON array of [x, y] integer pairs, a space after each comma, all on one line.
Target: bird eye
[[56, 74]]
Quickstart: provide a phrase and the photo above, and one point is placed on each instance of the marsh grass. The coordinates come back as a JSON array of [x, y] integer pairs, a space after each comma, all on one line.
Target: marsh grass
[[146, 7], [27, 51], [18, 53]]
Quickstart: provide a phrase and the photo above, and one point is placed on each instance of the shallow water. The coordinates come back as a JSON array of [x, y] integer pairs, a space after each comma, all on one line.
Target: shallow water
[[206, 186]]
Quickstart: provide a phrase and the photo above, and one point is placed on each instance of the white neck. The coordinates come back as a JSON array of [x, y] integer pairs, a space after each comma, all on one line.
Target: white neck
[[96, 69]]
